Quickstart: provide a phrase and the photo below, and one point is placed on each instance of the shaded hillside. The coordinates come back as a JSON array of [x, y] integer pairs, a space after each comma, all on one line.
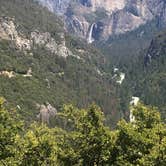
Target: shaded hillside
[[98, 20], [147, 73]]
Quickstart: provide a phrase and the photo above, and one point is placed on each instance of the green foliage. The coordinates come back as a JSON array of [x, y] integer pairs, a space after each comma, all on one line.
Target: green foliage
[[31, 16], [128, 53], [38, 146], [89, 138], [10, 127], [57, 80], [54, 79], [136, 141], [81, 138], [150, 85]]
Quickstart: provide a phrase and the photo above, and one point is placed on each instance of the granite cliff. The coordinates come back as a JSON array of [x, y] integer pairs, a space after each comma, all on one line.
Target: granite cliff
[[98, 20]]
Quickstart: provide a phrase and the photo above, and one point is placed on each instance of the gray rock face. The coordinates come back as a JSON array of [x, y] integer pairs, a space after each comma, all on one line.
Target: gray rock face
[[58, 6], [46, 113], [77, 25], [112, 17], [44, 39], [8, 31]]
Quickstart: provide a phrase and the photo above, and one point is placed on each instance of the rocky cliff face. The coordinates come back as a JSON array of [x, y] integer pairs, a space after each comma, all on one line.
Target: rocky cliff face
[[8, 31], [108, 5], [58, 6], [108, 17]]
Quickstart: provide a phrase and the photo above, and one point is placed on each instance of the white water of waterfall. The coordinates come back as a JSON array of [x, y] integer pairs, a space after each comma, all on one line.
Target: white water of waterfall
[[90, 38]]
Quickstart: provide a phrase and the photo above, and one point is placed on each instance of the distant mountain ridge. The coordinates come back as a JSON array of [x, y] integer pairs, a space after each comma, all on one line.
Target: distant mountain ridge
[[107, 18]]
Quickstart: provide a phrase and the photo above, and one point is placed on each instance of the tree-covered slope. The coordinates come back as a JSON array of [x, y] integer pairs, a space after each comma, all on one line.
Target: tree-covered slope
[[40, 62], [147, 72]]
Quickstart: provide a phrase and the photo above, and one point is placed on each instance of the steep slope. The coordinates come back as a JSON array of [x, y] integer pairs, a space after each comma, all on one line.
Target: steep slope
[[147, 73], [157, 49], [56, 6], [99, 19], [40, 63]]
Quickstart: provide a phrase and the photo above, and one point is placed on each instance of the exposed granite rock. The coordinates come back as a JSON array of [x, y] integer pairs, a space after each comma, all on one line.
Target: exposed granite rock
[[120, 23], [28, 74], [108, 5], [58, 6], [46, 113], [77, 25], [121, 16], [11, 74], [127, 15], [8, 31], [44, 39], [8, 74]]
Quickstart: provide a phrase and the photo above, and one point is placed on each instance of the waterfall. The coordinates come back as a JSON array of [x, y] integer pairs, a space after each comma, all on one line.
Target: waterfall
[[90, 38]]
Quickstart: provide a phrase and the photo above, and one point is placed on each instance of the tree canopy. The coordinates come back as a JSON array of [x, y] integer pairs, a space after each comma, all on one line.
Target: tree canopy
[[80, 137]]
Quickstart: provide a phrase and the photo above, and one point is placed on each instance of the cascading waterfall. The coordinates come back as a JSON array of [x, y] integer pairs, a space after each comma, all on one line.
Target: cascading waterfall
[[90, 38]]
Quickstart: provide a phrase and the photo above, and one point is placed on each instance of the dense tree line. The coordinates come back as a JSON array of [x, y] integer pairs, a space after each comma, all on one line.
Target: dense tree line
[[81, 138], [54, 79]]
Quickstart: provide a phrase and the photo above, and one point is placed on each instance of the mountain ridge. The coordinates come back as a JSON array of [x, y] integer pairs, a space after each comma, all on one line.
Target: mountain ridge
[[109, 17]]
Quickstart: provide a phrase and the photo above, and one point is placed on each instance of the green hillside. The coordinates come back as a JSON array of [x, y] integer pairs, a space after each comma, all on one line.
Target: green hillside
[[64, 102], [146, 71], [55, 79], [82, 78]]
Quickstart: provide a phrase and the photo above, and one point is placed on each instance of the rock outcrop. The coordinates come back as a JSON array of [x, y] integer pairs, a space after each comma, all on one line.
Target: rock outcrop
[[8, 31], [11, 74], [58, 6], [46, 113], [8, 74]]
